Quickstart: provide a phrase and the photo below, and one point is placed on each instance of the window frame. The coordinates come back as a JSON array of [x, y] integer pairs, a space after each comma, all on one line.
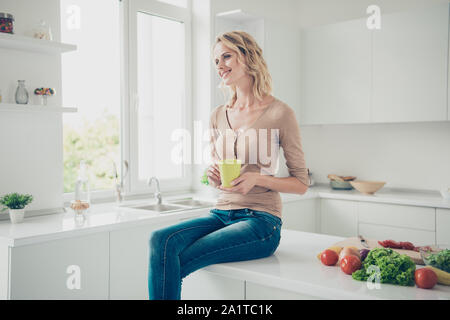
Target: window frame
[[164, 10], [128, 107]]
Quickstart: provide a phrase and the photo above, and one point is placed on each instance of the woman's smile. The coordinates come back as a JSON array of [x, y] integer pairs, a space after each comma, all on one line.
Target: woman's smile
[[226, 74]]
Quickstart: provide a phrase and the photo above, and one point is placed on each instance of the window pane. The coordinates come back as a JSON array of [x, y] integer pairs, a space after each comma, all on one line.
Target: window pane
[[161, 65], [179, 3], [91, 82]]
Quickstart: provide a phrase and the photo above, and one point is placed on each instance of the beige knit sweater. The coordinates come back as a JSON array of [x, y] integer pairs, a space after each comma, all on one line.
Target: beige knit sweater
[[258, 147]]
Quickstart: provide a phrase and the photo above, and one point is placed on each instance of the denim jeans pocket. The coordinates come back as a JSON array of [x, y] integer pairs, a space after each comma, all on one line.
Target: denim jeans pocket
[[268, 217]]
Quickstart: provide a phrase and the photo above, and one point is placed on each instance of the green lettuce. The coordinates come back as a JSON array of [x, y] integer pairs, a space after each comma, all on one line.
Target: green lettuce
[[440, 260], [394, 268]]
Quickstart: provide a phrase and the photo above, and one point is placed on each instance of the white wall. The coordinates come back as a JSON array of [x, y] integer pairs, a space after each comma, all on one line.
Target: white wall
[[31, 143], [406, 155]]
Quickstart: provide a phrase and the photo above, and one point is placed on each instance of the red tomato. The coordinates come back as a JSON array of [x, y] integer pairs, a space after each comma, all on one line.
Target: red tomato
[[350, 264], [425, 278], [329, 257]]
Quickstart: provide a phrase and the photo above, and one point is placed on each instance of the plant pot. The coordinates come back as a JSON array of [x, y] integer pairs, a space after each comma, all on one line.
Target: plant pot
[[16, 215]]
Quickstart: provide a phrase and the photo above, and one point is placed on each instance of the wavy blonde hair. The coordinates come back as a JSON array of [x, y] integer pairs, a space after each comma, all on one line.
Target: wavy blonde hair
[[250, 55]]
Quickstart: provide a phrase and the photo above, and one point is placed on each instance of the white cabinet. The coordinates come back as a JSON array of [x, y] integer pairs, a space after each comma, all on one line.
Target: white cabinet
[[254, 291], [398, 73], [204, 285], [412, 217], [410, 56], [300, 215], [339, 217], [74, 268], [335, 73], [129, 262], [129, 256], [397, 222], [442, 226]]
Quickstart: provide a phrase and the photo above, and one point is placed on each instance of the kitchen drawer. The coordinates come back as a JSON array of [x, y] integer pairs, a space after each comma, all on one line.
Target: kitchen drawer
[[417, 237], [414, 217]]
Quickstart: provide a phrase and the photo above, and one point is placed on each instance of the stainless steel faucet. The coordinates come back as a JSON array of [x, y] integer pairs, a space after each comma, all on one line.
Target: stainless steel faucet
[[158, 191]]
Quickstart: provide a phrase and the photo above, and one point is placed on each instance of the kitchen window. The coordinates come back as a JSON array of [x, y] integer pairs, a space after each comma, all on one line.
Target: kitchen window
[[129, 81], [159, 69], [91, 83]]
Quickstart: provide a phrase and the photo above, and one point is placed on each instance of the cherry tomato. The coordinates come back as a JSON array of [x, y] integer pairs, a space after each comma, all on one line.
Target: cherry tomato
[[425, 278], [350, 264], [329, 257]]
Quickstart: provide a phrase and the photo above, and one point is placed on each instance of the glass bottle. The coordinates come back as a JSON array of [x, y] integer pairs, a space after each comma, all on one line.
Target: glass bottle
[[82, 188], [21, 93]]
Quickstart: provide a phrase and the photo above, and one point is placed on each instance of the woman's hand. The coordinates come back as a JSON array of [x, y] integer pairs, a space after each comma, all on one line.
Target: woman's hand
[[213, 175], [244, 183]]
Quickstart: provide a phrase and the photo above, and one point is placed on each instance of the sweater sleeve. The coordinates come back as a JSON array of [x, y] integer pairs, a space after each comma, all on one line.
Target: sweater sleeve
[[290, 141]]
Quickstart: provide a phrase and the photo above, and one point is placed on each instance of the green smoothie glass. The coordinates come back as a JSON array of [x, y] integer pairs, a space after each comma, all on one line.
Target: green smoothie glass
[[229, 169]]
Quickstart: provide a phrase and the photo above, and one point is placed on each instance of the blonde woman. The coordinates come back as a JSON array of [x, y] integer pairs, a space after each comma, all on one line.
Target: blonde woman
[[246, 220]]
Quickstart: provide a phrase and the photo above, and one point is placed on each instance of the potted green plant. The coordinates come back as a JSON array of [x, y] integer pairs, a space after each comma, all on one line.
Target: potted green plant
[[16, 203]]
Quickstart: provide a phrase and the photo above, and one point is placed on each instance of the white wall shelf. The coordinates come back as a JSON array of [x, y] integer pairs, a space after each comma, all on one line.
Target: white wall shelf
[[10, 107], [16, 42]]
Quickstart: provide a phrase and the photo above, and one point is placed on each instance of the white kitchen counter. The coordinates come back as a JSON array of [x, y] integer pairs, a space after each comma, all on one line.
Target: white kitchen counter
[[100, 218], [384, 195], [107, 216], [294, 267]]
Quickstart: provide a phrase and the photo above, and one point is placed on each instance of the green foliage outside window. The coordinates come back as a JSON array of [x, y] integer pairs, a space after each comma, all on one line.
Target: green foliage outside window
[[96, 142]]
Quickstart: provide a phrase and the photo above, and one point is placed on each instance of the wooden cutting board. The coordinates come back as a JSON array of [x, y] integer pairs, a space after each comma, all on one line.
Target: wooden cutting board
[[415, 256]]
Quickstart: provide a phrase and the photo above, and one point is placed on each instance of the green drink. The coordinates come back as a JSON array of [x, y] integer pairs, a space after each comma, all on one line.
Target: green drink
[[229, 169]]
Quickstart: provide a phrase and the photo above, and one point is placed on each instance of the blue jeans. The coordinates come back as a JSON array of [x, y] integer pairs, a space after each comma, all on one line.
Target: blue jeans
[[222, 236]]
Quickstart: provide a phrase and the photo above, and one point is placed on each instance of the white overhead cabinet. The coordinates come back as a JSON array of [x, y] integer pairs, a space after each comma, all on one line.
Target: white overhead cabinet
[[335, 73], [398, 73], [410, 56]]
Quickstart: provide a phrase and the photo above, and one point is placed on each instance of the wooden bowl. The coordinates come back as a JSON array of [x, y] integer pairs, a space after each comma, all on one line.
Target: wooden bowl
[[367, 187]]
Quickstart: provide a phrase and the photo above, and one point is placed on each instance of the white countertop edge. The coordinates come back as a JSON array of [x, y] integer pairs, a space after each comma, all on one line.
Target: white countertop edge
[[23, 241], [285, 284], [389, 196]]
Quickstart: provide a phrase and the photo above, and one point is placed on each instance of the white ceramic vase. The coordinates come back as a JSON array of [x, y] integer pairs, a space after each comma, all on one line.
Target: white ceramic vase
[[16, 215]]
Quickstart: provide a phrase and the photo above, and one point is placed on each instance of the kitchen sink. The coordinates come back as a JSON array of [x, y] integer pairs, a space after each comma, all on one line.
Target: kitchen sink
[[171, 205], [191, 203], [159, 207]]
